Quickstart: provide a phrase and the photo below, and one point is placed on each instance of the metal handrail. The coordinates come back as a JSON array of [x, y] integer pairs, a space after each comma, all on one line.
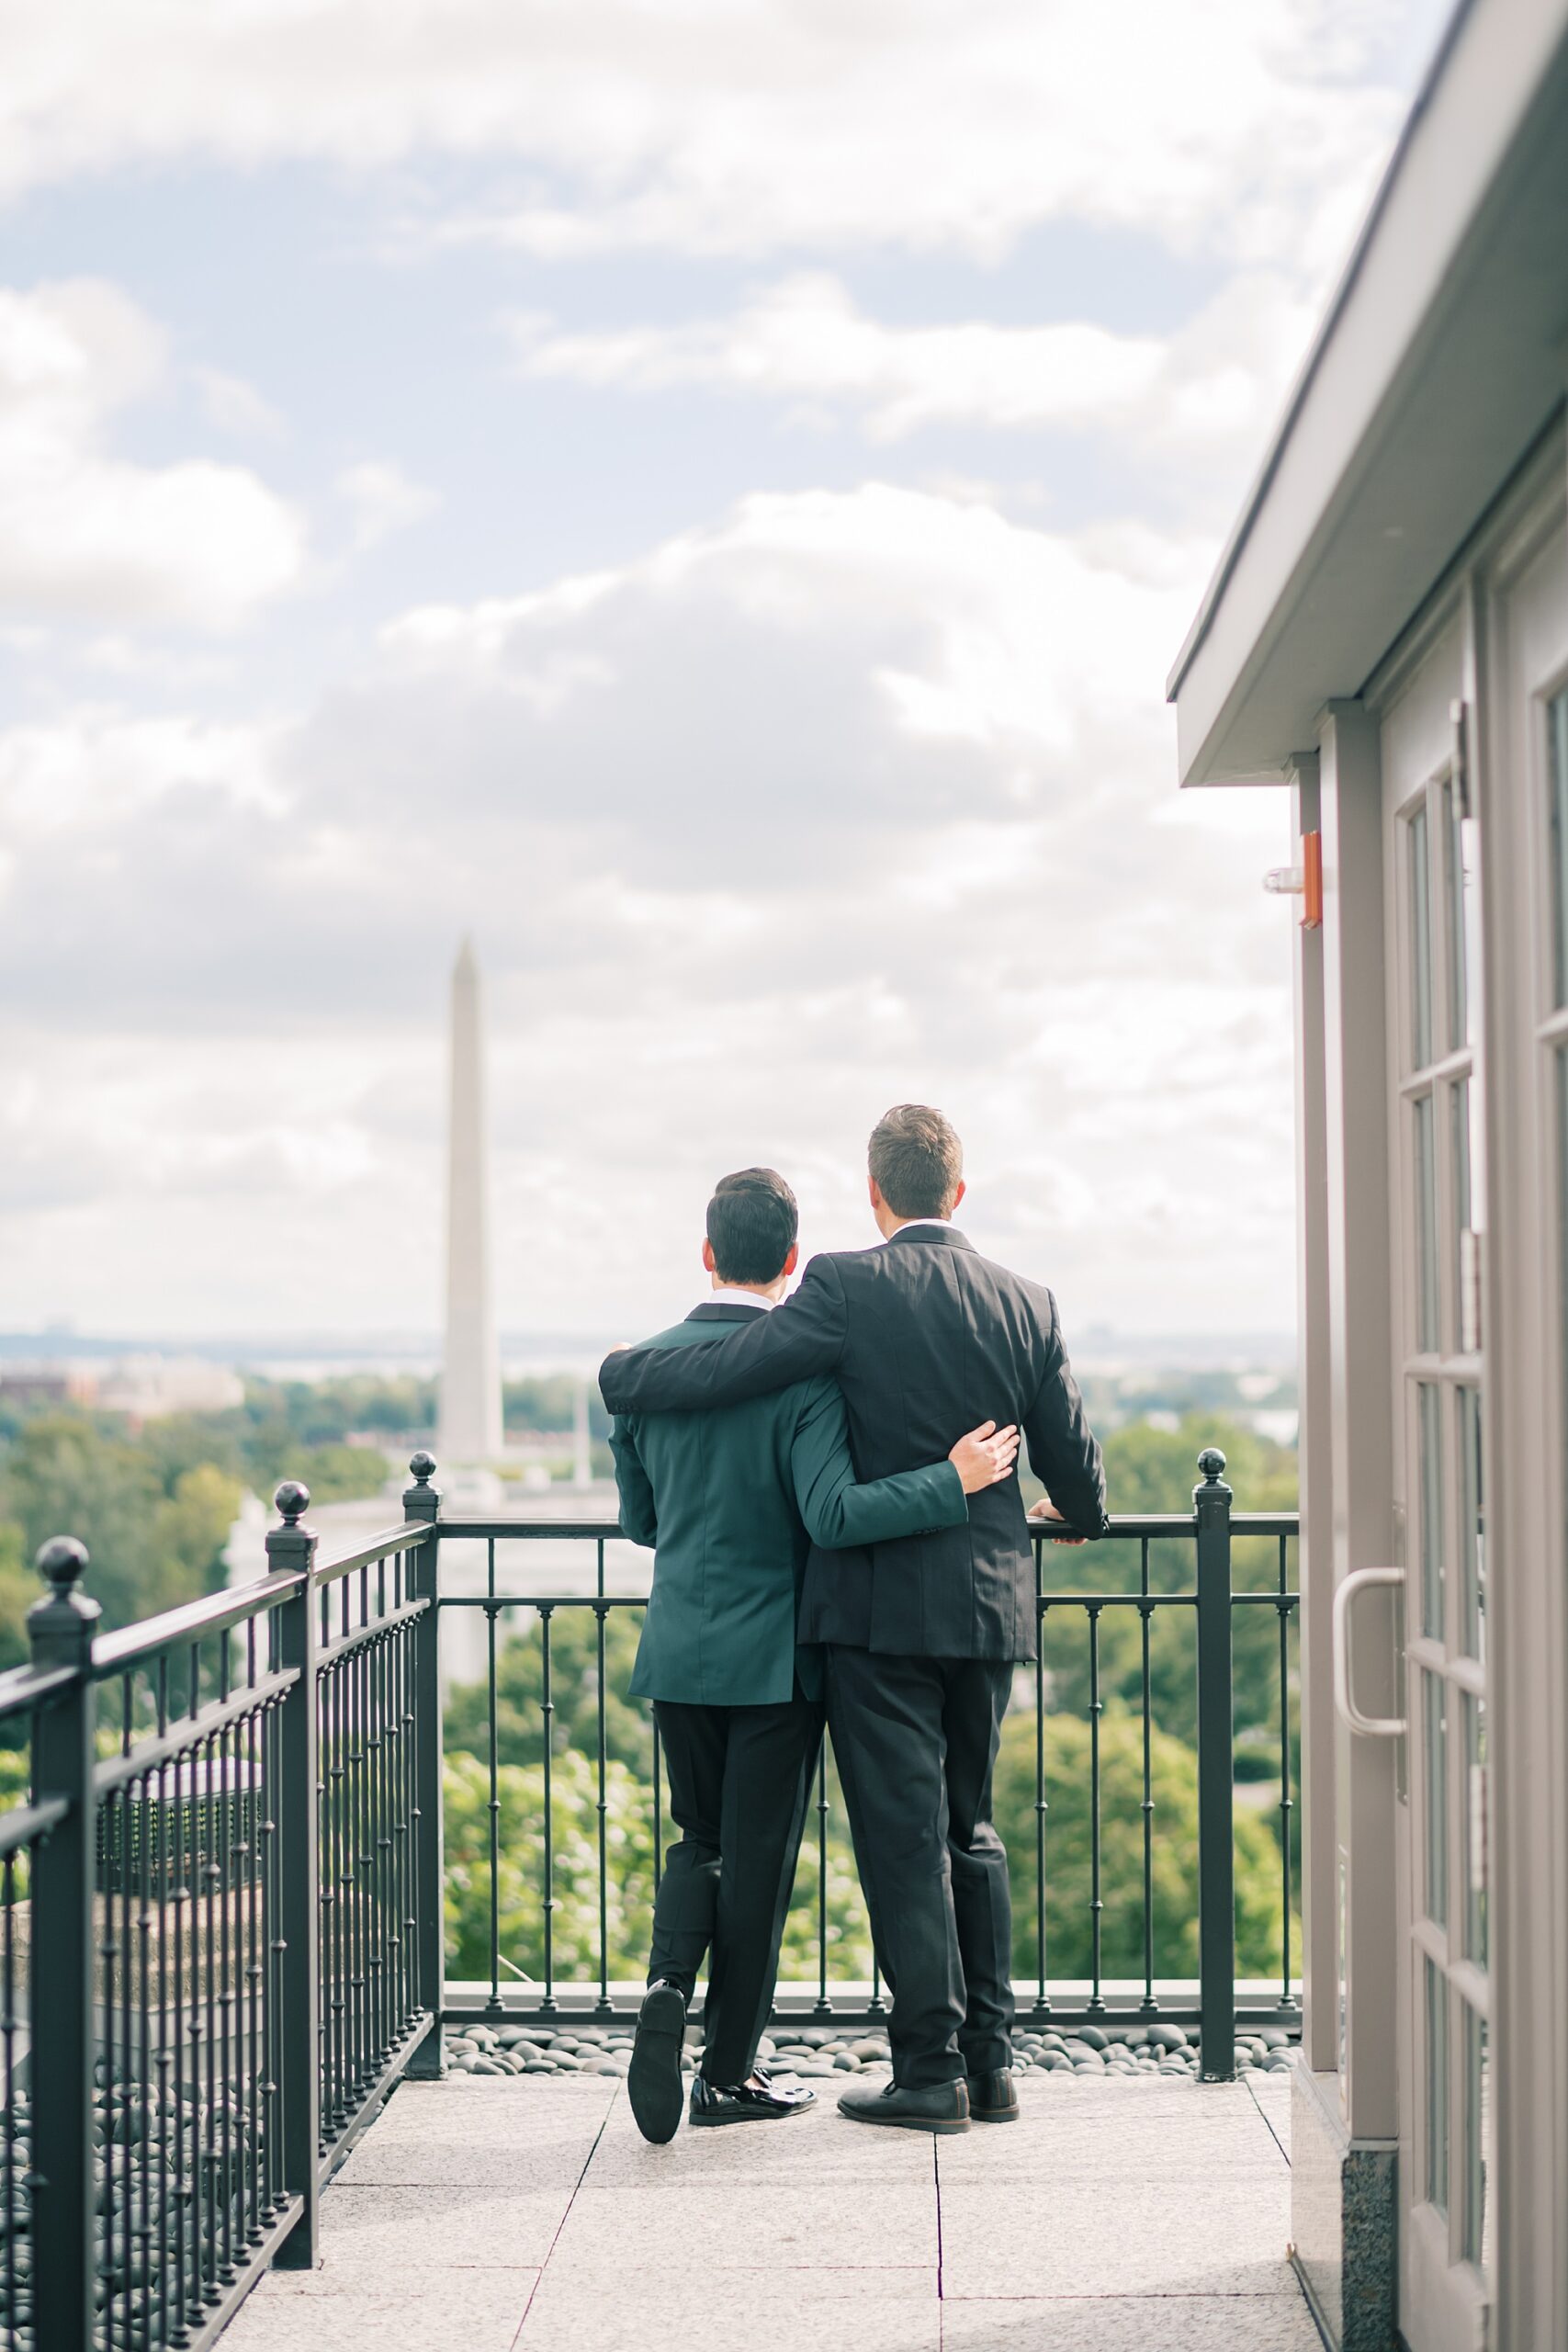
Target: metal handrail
[[1156, 1525], [191, 1621], [404, 1537], [25, 1687], [28, 1824]]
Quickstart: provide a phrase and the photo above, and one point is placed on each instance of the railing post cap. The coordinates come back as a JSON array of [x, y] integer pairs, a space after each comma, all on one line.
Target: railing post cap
[[293, 1500], [62, 1561], [290, 1544], [422, 1500], [1212, 1498], [63, 1620]]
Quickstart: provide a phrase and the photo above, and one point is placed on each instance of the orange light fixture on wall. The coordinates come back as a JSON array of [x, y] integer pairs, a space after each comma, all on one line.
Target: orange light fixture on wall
[[1303, 881]]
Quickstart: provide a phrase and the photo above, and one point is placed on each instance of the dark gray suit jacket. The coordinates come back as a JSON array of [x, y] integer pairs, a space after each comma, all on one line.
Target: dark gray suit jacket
[[926, 1339]]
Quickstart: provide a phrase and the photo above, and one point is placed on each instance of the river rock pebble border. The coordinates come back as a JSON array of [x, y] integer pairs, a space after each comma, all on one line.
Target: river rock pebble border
[[1150, 2051]]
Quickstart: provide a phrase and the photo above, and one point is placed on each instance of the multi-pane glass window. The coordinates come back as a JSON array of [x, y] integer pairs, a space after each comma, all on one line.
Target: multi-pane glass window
[[1434, 2000], [1427, 1263], [1430, 1446], [1475, 2233], [1420, 941], [1464, 1265], [1454, 883], [1445, 1598], [1472, 1825], [1434, 1725], [1471, 1549]]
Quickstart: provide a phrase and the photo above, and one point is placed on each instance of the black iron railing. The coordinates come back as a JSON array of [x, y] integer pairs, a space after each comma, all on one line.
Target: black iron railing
[[1201, 1541], [221, 1907], [208, 1958]]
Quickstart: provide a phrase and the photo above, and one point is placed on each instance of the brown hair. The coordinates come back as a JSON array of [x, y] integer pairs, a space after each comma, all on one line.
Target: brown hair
[[917, 1160]]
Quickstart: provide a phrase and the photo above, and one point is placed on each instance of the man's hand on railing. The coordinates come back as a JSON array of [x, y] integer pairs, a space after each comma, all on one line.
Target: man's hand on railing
[[983, 1458], [1046, 1508]]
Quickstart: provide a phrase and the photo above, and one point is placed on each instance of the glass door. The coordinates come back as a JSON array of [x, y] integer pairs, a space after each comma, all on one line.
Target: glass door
[[1440, 1213]]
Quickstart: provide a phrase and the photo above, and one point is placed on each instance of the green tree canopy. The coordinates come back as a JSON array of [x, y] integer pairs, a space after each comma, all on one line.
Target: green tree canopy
[[1173, 1789], [574, 1873], [150, 1548], [574, 1693]]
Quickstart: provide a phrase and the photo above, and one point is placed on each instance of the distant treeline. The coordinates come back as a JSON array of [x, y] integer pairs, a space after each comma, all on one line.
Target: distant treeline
[[154, 1505]]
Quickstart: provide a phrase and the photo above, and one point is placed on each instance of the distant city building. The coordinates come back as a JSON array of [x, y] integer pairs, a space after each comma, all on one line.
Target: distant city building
[[47, 1385], [155, 1388]]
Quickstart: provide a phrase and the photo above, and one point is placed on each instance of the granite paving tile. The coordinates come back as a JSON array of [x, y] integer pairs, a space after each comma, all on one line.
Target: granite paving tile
[[480, 2286], [752, 2225], [1133, 2235], [1131, 2324], [443, 2312], [460, 2148], [469, 2226], [829, 2311], [513, 2110], [814, 2146], [1107, 2133]]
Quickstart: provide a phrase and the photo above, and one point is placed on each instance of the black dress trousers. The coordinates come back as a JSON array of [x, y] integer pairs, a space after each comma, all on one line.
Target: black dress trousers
[[916, 1744], [738, 1780]]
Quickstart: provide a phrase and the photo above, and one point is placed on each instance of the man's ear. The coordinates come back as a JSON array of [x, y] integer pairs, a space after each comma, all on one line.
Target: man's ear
[[708, 1256], [790, 1262], [875, 1189], [962, 1188]]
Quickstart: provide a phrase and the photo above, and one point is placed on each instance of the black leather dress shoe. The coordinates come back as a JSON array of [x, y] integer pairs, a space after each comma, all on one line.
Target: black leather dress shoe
[[653, 2076], [756, 2100], [993, 2098], [930, 2106]]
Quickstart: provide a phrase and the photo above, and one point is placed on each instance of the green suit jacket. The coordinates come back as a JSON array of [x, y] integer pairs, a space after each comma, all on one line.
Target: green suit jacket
[[731, 1501]]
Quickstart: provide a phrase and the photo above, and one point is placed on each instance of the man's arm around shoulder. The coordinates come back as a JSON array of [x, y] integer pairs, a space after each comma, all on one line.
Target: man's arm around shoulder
[[767, 1352]]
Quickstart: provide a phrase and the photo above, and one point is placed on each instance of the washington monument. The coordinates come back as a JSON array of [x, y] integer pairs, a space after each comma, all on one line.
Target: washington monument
[[471, 1377]]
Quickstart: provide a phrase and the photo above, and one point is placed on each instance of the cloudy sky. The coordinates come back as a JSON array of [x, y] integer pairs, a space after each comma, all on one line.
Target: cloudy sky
[[704, 494]]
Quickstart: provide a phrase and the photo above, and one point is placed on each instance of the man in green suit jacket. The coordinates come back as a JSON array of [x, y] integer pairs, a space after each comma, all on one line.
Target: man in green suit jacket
[[731, 1500]]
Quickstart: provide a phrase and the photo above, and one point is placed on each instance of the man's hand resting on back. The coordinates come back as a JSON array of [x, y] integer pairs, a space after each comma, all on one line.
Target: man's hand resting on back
[[985, 1456]]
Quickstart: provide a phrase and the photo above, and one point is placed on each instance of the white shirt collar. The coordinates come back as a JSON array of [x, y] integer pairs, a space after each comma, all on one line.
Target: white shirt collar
[[910, 1221], [730, 1295]]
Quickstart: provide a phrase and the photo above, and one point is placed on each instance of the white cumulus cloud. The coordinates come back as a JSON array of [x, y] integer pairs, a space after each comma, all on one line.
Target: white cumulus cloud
[[87, 535], [805, 341], [96, 769], [383, 501], [747, 125]]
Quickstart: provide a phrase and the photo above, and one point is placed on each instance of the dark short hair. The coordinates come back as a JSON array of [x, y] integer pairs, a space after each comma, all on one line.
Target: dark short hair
[[752, 1223], [916, 1159]]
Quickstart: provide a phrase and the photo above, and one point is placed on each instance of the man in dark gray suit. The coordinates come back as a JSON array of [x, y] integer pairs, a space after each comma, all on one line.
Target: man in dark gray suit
[[926, 1337]]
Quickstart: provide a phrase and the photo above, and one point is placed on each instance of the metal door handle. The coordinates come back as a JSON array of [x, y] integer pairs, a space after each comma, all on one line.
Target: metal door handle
[[1374, 1726]]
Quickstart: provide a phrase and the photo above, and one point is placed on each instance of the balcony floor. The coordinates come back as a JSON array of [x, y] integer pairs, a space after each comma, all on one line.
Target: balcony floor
[[481, 2213]]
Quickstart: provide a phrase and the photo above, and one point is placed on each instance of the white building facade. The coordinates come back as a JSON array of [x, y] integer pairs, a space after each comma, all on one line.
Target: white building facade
[[1387, 637]]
